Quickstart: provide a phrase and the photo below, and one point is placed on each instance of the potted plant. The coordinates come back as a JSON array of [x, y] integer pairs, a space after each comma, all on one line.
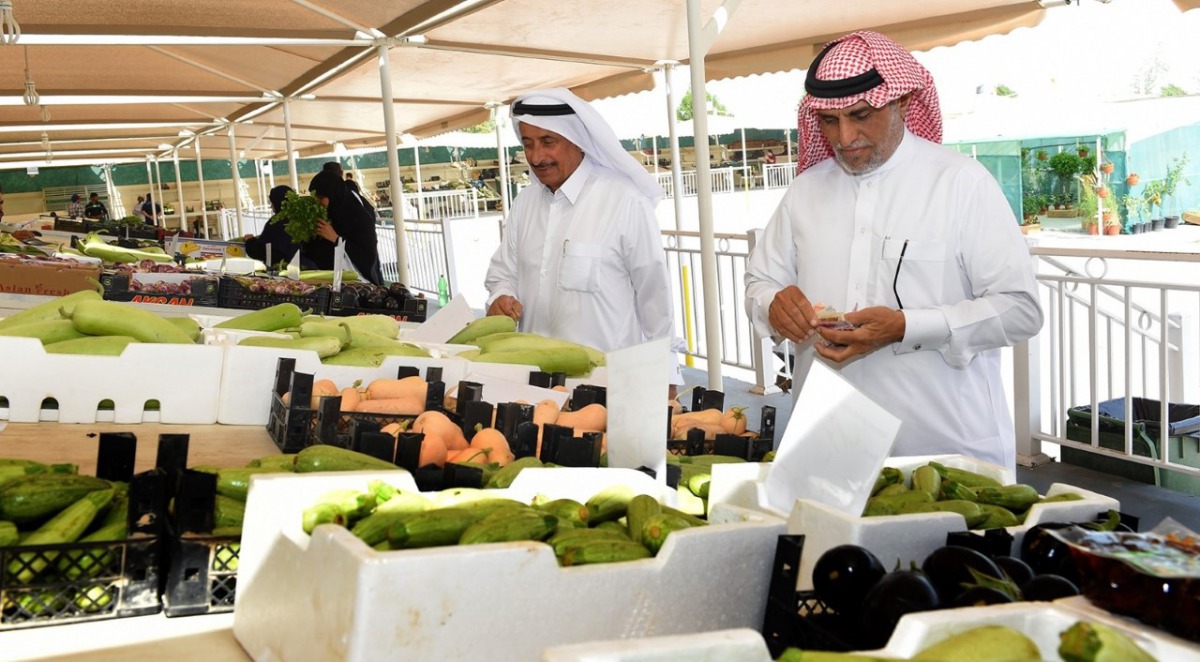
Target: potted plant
[[1152, 195], [1065, 167], [1107, 167], [1109, 216], [1042, 155], [1082, 151], [1029, 212], [1170, 184], [1132, 179], [1134, 207]]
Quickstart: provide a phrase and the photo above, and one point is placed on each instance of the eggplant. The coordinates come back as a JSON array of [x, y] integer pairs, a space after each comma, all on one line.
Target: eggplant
[[949, 569], [1047, 555], [1048, 588], [1017, 570], [898, 593], [843, 575]]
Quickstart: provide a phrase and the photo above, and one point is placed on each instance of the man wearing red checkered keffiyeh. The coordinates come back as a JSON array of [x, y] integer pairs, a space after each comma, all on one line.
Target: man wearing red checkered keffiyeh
[[916, 241]]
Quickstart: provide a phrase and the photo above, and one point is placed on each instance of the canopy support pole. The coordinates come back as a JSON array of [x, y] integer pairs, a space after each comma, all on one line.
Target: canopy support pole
[[393, 157], [149, 189], [203, 198], [237, 185], [700, 38], [501, 159], [108, 188], [291, 150], [676, 166], [420, 182], [158, 195], [179, 190]]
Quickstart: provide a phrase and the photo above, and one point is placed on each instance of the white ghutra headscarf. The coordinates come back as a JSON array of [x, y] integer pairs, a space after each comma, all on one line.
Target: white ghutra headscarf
[[559, 110]]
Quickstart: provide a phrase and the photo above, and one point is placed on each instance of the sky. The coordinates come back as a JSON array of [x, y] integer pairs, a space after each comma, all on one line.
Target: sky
[[1092, 50]]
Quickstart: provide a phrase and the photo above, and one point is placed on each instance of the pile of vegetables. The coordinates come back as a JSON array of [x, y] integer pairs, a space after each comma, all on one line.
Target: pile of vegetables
[[369, 296], [364, 340], [280, 286], [44, 504], [613, 525], [982, 501], [93, 246], [498, 341], [83, 323]]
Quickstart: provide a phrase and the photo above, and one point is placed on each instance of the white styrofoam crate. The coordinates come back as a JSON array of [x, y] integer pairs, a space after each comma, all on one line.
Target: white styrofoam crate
[[248, 375], [892, 538], [185, 379], [329, 596], [520, 373], [1040, 621], [738, 645], [1169, 647]]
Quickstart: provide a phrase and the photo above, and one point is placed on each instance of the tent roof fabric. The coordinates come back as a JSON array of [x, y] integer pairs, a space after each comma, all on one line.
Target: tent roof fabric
[[204, 65]]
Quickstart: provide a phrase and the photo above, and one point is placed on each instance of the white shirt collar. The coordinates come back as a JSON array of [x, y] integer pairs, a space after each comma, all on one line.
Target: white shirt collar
[[574, 184], [902, 153]]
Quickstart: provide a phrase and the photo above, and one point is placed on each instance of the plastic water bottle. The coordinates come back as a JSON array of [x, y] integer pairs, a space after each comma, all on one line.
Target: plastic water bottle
[[443, 290]]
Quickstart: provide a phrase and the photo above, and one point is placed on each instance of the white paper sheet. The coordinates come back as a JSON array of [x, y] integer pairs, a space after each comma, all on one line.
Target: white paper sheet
[[498, 391], [833, 447], [444, 323], [637, 406]]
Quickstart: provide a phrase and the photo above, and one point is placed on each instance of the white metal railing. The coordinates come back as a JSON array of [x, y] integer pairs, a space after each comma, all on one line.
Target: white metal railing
[[722, 181], [1119, 325], [427, 254], [687, 286], [778, 175], [430, 205]]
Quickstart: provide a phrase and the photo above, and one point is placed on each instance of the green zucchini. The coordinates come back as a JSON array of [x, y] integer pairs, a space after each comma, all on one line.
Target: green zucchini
[[33, 497], [110, 318], [50, 310], [273, 318], [332, 458]]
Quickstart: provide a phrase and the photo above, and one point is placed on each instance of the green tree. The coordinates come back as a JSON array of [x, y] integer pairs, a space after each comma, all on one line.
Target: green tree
[[486, 126], [1172, 90], [684, 112]]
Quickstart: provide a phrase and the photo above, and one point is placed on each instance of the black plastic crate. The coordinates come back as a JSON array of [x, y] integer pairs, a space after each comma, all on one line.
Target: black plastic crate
[[114, 579], [202, 578], [295, 425], [344, 304], [231, 294], [203, 291], [69, 225], [752, 449], [798, 619]]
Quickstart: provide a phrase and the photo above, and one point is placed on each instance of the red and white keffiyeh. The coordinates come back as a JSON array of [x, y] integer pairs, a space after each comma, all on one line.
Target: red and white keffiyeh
[[856, 54]]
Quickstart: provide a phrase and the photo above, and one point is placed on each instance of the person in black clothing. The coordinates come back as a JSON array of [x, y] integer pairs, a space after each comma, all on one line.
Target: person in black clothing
[[95, 209], [275, 235], [151, 211], [351, 218]]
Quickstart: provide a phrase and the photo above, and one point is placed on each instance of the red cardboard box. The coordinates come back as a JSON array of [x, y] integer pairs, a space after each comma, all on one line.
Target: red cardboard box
[[46, 277]]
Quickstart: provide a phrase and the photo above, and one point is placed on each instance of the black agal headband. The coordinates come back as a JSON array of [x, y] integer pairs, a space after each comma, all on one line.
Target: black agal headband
[[843, 87], [522, 108]]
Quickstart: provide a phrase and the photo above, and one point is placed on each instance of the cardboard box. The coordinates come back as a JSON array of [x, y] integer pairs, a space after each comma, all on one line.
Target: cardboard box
[[893, 538], [330, 596], [45, 278]]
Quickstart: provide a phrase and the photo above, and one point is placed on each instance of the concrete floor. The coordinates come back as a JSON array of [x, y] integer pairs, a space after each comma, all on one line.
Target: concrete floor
[[1150, 503]]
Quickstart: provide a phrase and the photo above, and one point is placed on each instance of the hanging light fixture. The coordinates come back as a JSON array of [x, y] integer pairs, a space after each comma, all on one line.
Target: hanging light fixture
[[45, 114], [45, 141], [31, 96], [10, 32]]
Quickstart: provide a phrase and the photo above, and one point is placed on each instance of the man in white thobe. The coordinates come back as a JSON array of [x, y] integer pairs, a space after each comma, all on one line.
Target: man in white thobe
[[582, 256], [916, 241]]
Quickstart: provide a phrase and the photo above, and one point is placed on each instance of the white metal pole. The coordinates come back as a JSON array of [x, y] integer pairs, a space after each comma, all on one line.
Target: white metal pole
[[502, 170], [149, 185], [158, 193], [110, 189], [237, 186], [179, 190], [745, 161], [676, 166], [389, 124], [291, 151], [420, 182], [203, 199], [708, 250]]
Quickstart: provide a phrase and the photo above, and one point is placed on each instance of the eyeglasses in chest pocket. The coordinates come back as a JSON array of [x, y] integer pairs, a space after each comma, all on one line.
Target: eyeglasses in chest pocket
[[580, 264], [916, 270]]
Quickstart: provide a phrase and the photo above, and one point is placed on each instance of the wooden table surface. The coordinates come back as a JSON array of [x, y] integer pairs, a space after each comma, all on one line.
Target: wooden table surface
[[219, 445]]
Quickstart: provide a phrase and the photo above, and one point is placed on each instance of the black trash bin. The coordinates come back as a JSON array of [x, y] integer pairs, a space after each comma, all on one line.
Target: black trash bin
[[1183, 440]]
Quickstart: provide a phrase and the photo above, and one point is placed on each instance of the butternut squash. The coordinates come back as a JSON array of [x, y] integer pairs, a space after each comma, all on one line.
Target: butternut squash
[[322, 388], [704, 416], [350, 399], [734, 420], [711, 430], [392, 406], [436, 423], [591, 417], [433, 451], [493, 443], [390, 389]]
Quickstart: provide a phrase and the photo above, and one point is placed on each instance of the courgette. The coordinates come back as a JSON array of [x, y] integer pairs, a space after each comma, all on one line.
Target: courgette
[[333, 458], [33, 497]]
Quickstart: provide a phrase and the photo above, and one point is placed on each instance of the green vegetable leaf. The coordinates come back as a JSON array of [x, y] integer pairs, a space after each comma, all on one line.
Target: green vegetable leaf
[[300, 213]]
